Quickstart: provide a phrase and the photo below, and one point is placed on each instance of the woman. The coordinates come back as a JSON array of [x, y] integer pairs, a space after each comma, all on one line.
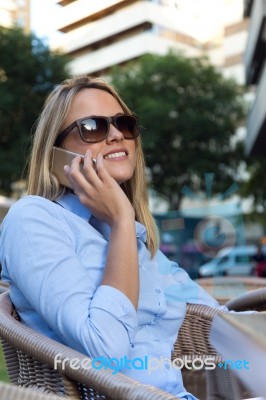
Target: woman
[[83, 265]]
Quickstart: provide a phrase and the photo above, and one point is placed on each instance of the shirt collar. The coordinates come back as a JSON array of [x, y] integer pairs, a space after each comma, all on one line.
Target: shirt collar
[[72, 203]]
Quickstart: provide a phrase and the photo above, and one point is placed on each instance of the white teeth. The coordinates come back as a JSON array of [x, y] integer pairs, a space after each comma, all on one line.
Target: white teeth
[[114, 155]]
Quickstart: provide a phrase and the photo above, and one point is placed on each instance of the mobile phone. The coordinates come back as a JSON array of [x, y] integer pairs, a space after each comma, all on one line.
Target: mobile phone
[[61, 157]]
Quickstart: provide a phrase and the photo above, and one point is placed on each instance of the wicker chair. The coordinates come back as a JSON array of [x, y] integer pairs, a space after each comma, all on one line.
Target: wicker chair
[[253, 300], [3, 287], [193, 342], [11, 392], [30, 363]]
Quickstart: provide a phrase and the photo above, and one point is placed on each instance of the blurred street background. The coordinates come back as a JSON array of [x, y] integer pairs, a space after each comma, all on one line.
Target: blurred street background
[[194, 71]]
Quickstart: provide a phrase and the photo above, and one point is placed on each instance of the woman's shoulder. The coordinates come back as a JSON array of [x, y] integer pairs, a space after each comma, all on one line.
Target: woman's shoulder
[[31, 200], [29, 206]]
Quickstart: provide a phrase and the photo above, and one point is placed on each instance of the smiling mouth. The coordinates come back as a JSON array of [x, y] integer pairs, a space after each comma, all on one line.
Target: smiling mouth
[[119, 154]]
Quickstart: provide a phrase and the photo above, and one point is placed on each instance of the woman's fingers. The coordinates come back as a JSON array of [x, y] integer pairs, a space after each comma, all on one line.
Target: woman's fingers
[[75, 174], [87, 161], [102, 172], [96, 188]]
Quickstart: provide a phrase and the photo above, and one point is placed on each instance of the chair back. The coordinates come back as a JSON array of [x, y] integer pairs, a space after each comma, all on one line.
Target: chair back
[[193, 344], [30, 359], [12, 392]]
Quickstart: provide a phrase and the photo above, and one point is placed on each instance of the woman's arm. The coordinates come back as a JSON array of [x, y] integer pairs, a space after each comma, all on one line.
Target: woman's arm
[[104, 197], [121, 269], [54, 289]]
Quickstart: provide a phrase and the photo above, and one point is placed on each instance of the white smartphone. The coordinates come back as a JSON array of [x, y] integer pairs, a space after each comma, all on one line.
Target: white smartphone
[[61, 157]]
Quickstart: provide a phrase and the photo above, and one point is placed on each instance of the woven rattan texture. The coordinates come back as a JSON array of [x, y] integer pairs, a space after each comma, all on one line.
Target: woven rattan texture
[[30, 360], [34, 355]]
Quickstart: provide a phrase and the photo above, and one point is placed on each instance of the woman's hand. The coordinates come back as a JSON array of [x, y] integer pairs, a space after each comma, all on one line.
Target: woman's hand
[[98, 191]]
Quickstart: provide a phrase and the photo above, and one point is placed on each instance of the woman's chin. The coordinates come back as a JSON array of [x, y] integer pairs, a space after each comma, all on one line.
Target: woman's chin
[[120, 174], [121, 178]]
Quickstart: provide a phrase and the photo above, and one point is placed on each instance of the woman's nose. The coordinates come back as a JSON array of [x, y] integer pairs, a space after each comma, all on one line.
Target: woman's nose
[[114, 134]]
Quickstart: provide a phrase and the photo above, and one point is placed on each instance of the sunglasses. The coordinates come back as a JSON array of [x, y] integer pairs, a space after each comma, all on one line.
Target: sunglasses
[[95, 129]]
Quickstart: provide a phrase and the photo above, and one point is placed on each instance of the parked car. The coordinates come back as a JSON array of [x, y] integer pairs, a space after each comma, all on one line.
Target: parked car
[[238, 260]]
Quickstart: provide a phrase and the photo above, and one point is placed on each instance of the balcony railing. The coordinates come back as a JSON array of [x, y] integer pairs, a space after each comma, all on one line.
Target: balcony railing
[[127, 49]]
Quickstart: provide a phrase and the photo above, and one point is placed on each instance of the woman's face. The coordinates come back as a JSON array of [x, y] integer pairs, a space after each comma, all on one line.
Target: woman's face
[[119, 154]]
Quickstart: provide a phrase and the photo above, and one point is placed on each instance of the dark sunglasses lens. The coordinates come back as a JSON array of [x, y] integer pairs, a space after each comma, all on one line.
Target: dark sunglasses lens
[[93, 129], [128, 126]]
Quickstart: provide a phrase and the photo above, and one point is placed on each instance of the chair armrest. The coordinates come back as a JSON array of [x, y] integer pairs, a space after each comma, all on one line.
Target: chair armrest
[[253, 300], [193, 337]]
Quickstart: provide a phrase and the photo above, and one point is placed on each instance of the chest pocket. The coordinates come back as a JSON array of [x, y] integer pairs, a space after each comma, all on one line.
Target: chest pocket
[[151, 307]]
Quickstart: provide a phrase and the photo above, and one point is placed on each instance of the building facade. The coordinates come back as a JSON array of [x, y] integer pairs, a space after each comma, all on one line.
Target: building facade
[[15, 13], [98, 35], [255, 67]]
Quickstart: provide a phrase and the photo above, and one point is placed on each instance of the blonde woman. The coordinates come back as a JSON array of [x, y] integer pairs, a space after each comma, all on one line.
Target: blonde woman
[[85, 269]]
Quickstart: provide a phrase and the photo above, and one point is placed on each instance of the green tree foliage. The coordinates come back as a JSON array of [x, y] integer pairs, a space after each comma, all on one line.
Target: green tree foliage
[[28, 71], [190, 113]]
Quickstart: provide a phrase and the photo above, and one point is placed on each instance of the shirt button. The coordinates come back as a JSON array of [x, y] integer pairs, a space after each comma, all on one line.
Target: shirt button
[[158, 291], [167, 366]]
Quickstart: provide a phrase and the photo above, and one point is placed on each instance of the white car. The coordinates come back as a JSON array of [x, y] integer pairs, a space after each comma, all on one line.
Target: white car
[[238, 260]]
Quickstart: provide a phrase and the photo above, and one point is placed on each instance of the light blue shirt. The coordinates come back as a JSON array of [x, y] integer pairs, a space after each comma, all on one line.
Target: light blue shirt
[[53, 256]]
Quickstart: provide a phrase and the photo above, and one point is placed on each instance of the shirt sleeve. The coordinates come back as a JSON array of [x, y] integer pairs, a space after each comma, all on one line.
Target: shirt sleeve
[[38, 256], [183, 288]]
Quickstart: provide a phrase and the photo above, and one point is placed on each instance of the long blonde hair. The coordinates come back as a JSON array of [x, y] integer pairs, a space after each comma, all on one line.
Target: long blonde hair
[[42, 182]]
